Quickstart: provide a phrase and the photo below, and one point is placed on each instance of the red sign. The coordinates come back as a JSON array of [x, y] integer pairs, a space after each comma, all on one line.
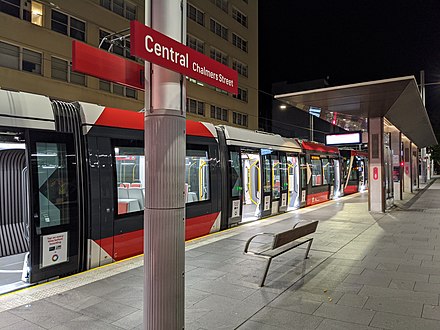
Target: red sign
[[375, 173], [162, 50], [101, 64]]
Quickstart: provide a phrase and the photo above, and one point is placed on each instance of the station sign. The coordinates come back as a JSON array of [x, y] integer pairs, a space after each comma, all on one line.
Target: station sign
[[104, 65], [162, 50], [343, 138]]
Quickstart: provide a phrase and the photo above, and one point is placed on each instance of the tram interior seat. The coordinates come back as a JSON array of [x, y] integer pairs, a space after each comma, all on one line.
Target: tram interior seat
[[122, 193], [137, 193]]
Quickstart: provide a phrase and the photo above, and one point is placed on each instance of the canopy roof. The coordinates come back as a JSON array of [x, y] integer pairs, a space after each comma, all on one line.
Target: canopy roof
[[396, 99]]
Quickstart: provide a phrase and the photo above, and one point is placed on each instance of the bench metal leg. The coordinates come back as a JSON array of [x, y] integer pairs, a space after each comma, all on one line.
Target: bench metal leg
[[308, 248], [265, 272]]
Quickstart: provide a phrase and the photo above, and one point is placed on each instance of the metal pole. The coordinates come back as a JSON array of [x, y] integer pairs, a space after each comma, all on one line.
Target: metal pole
[[165, 144], [422, 150]]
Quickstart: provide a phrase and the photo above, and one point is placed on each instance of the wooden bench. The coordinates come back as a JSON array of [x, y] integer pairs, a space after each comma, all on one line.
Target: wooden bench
[[282, 242]]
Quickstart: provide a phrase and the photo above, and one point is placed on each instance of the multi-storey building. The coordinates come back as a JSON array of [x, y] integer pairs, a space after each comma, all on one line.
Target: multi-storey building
[[35, 52]]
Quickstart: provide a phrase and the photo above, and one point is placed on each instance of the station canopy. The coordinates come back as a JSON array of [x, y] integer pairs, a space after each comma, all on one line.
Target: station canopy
[[397, 99]]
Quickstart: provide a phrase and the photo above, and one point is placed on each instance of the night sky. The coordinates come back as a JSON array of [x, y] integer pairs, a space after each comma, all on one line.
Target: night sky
[[351, 42]]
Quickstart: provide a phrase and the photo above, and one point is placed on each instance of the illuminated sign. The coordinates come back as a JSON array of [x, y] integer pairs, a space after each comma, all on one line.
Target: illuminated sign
[[162, 50], [345, 138]]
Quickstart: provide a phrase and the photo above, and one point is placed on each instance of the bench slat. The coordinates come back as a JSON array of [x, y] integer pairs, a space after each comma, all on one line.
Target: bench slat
[[293, 234]]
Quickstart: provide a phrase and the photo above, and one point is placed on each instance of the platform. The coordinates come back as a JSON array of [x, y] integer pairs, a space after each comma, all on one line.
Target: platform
[[366, 271]]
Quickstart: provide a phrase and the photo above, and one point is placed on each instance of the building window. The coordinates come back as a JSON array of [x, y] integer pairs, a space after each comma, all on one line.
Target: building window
[[241, 68], [240, 17], [117, 89], [195, 106], [219, 29], [9, 56], [59, 69], [242, 94], [219, 56], [121, 7], [62, 70], [195, 44], [68, 25], [239, 42], [120, 46], [222, 4], [195, 14], [240, 119], [18, 58], [31, 61], [20, 9], [219, 113]]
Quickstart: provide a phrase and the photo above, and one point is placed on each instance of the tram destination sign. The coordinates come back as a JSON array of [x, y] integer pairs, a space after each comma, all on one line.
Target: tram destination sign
[[162, 50]]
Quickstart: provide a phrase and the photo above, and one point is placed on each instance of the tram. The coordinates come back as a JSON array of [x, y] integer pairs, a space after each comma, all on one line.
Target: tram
[[72, 183]]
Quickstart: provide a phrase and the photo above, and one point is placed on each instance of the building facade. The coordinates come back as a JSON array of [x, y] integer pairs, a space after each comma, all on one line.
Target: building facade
[[35, 52]]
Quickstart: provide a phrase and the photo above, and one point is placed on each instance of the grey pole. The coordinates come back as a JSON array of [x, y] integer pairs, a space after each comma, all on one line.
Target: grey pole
[[165, 145], [423, 166]]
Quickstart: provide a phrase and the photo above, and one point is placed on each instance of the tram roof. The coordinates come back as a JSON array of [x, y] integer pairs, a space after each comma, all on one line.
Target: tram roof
[[396, 99]]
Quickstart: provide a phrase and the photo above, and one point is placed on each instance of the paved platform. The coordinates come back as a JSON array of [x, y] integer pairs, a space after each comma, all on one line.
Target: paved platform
[[366, 271]]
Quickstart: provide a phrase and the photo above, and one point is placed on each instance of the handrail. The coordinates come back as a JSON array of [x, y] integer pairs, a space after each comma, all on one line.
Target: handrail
[[202, 163], [249, 180], [246, 247]]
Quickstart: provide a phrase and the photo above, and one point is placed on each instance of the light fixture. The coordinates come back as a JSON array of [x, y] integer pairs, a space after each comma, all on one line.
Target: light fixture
[[283, 106]]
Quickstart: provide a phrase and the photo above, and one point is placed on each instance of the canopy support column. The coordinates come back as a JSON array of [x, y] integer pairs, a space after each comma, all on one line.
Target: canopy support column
[[376, 189]]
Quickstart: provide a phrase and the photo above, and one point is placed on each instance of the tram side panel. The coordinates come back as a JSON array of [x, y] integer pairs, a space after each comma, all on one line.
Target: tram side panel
[[117, 172], [319, 182]]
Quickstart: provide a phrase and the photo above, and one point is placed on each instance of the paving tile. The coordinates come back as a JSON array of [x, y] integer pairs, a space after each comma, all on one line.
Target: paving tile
[[345, 313], [110, 311], [427, 287], [431, 312], [252, 325], [402, 284], [352, 300], [23, 325], [74, 300], [400, 322], [225, 289], [392, 305], [290, 301], [229, 306], [7, 319], [45, 314], [328, 324], [374, 280], [286, 319], [215, 320], [130, 321], [86, 322], [423, 297]]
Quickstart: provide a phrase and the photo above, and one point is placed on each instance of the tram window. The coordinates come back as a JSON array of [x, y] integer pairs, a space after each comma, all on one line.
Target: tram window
[[276, 177], [130, 178], [197, 175], [54, 187], [303, 167], [267, 185], [316, 172], [326, 171], [235, 173]]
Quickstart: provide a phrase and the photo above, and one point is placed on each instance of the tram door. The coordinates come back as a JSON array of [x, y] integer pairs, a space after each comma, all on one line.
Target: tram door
[[266, 177], [251, 167], [292, 182], [337, 176], [53, 212]]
